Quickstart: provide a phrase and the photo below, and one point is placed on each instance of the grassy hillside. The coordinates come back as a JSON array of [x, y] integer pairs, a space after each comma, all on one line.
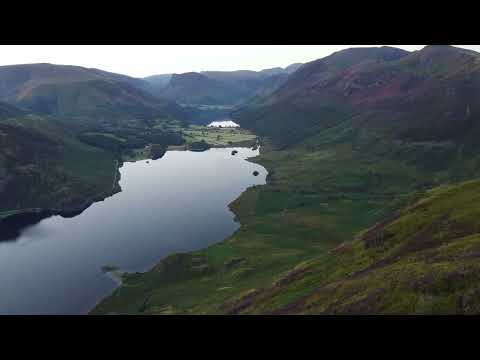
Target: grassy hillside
[[422, 261], [83, 97]]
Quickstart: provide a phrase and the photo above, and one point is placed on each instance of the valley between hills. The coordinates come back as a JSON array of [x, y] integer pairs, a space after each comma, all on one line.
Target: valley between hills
[[370, 205]]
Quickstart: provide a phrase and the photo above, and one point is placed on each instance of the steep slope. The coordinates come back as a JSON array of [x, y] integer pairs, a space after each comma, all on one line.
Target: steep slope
[[422, 261], [312, 98], [426, 95], [8, 111], [43, 165], [196, 88], [76, 92], [157, 83], [293, 67]]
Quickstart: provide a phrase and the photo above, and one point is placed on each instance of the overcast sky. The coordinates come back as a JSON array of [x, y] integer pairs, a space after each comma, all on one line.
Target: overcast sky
[[144, 60]]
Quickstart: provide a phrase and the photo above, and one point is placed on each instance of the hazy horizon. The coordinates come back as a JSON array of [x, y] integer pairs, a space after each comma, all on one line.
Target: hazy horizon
[[146, 60]]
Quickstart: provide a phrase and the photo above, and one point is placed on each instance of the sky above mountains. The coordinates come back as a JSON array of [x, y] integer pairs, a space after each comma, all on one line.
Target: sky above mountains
[[145, 60]]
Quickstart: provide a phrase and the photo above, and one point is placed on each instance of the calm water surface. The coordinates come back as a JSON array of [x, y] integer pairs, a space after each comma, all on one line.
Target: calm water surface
[[173, 204]]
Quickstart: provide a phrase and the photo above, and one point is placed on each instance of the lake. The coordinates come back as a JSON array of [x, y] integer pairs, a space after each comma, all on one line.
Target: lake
[[174, 204]]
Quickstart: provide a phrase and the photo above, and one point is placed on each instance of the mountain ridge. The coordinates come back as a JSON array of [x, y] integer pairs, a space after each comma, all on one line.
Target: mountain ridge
[[66, 90], [221, 87], [396, 83]]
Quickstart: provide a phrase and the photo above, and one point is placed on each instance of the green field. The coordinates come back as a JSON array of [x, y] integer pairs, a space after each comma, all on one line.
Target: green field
[[215, 137], [218, 137]]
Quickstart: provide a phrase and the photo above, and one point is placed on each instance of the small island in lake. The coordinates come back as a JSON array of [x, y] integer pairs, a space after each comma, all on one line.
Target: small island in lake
[[201, 145]]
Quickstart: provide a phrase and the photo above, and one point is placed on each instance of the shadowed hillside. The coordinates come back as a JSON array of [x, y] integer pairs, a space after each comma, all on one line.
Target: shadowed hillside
[[43, 165], [221, 87], [73, 92]]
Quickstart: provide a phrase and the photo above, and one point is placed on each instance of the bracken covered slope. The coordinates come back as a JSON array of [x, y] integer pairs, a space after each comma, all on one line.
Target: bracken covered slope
[[424, 260], [429, 94]]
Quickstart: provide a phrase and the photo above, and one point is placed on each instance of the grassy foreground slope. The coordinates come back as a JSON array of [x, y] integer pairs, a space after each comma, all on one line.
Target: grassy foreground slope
[[423, 261]]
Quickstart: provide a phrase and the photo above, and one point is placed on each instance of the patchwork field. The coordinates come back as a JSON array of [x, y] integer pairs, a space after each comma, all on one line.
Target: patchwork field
[[218, 136]]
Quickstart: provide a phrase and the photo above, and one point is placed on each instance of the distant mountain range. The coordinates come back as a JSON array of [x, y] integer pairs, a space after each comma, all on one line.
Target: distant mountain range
[[219, 87], [72, 91]]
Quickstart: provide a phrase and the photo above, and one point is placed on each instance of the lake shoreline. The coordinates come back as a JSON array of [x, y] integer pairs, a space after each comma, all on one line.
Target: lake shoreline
[[246, 143], [86, 246], [24, 217], [11, 222], [120, 274]]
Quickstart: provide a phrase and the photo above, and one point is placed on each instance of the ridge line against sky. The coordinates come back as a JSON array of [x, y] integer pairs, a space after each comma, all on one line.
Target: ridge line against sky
[[147, 60]]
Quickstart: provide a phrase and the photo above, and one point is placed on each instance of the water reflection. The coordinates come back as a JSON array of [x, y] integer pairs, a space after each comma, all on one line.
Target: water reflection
[[176, 203]]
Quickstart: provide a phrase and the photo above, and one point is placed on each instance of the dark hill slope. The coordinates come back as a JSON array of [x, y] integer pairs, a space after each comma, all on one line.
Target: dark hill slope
[[43, 165], [156, 83], [77, 92], [224, 88], [425, 95], [8, 111], [196, 88]]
